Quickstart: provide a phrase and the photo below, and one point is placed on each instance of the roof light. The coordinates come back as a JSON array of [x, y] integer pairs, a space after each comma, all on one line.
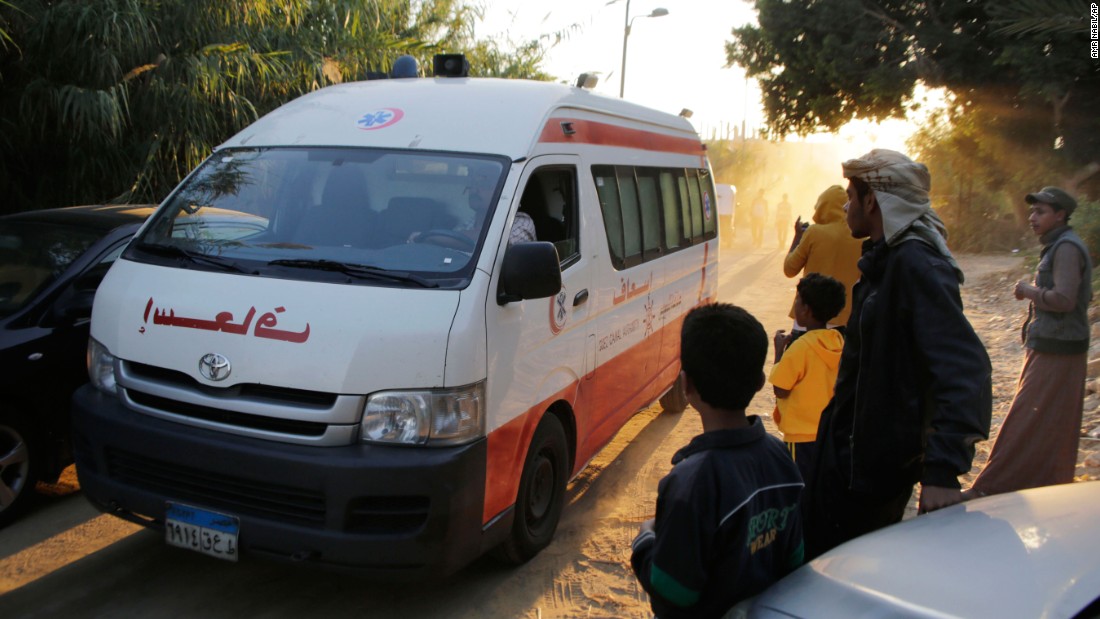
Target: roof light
[[450, 65], [405, 66], [587, 81]]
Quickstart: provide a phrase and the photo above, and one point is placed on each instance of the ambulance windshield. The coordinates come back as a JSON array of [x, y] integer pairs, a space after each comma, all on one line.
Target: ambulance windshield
[[281, 211]]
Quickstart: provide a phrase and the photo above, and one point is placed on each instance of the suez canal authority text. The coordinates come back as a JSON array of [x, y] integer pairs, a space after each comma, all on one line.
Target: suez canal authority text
[[610, 340]]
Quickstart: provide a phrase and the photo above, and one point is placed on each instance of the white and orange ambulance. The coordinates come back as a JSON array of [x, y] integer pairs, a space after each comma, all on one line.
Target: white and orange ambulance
[[384, 325]]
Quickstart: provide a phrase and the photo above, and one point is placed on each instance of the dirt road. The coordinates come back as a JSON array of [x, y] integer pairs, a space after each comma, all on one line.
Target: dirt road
[[68, 560]]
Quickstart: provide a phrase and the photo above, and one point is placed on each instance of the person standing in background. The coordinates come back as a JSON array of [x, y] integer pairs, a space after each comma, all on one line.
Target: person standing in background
[[759, 215], [1037, 443], [725, 196], [782, 220], [827, 247]]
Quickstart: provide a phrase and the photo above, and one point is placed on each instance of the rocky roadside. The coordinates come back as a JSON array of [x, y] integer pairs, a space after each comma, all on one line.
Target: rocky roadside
[[1088, 454]]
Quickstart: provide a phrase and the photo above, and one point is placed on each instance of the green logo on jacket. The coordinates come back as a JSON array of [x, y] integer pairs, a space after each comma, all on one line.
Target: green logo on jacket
[[765, 526]]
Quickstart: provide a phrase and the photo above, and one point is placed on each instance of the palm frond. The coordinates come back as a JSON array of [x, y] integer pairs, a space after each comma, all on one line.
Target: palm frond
[[1020, 17]]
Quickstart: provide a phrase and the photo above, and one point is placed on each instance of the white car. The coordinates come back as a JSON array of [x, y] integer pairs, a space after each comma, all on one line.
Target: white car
[[1034, 553]]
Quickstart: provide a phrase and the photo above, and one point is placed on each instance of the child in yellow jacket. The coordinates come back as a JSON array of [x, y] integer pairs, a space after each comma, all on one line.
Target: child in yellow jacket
[[806, 366]]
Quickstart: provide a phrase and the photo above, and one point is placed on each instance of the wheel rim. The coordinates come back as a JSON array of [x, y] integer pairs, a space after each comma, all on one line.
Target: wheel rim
[[541, 496], [15, 465]]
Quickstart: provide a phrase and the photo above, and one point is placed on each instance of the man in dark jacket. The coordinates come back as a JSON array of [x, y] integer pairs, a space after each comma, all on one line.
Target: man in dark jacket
[[914, 393]]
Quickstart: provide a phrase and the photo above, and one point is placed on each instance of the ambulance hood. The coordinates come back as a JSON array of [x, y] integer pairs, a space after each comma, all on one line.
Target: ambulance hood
[[295, 334]]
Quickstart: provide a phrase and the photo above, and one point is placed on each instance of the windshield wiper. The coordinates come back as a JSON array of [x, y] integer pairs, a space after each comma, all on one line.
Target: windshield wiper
[[224, 264], [356, 270]]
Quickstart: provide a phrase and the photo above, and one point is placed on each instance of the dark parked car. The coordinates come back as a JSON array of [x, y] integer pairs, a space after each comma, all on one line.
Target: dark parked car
[[51, 262]]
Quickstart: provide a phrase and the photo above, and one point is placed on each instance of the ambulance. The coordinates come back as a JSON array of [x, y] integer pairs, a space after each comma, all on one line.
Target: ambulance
[[381, 328]]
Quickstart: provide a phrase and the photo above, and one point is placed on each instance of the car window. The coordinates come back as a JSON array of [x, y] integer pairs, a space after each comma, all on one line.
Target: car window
[[33, 255]]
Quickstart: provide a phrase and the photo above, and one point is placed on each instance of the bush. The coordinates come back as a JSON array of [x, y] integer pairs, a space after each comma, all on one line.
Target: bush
[[1086, 222]]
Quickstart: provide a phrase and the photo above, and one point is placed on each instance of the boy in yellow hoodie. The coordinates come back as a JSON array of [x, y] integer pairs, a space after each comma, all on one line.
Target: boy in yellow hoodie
[[806, 366]]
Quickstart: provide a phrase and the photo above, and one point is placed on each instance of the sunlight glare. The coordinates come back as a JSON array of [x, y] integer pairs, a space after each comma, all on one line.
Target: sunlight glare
[[65, 548]]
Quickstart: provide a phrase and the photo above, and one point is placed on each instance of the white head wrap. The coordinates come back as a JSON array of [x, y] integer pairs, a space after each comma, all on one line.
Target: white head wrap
[[901, 187]]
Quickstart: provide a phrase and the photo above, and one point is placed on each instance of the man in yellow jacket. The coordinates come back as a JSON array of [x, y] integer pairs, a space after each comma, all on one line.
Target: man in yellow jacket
[[826, 247]]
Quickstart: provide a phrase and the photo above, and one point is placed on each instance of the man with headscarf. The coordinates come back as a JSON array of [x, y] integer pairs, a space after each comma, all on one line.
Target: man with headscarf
[[914, 391]]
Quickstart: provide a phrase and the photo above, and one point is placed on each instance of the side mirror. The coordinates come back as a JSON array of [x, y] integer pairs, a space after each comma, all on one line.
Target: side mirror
[[530, 271]]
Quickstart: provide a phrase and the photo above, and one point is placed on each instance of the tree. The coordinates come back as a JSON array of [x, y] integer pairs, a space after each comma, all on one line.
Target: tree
[[977, 176], [1023, 63], [116, 100]]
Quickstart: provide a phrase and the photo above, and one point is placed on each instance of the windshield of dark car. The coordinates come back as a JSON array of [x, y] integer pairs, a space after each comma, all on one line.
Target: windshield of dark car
[[33, 255], [275, 211]]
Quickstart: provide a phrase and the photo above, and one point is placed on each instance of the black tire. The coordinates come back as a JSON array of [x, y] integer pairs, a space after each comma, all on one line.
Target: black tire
[[18, 470], [675, 400], [541, 494]]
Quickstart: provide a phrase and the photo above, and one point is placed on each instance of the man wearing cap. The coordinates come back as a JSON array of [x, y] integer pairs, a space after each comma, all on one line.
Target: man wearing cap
[[1037, 444], [914, 391]]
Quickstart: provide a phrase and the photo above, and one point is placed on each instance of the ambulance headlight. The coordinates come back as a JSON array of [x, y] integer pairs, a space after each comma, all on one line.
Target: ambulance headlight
[[425, 417], [101, 367]]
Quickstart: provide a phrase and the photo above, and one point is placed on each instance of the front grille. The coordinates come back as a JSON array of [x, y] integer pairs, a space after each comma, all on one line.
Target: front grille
[[268, 393], [218, 490], [207, 413]]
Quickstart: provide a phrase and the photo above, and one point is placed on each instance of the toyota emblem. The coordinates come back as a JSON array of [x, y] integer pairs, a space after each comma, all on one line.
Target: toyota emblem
[[214, 366]]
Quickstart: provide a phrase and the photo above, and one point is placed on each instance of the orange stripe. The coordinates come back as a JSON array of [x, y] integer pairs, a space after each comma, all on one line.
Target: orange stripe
[[506, 451], [603, 134], [596, 417]]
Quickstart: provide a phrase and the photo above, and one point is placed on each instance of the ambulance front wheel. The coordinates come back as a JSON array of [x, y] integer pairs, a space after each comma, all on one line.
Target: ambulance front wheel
[[541, 493], [675, 400]]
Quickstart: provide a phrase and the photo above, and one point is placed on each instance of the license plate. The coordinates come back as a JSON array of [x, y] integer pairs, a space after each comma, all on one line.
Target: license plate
[[201, 530]]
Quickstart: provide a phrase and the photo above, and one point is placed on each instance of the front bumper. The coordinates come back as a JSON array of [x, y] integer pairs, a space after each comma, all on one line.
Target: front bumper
[[392, 512]]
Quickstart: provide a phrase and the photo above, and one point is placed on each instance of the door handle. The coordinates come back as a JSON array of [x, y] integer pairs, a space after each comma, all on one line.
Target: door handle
[[581, 297]]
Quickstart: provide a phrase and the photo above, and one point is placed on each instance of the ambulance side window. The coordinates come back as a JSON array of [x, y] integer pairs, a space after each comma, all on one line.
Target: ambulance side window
[[607, 188], [651, 211], [670, 202], [650, 202], [550, 199], [710, 205], [696, 206]]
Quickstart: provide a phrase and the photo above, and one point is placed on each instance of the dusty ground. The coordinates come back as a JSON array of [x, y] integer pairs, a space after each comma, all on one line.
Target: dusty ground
[[68, 560]]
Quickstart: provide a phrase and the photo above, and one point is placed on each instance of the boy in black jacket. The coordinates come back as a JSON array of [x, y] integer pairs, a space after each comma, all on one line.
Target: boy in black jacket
[[728, 522]]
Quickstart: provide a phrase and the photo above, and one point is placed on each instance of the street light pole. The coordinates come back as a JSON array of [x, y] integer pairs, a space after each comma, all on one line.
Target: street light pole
[[626, 35], [627, 21]]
